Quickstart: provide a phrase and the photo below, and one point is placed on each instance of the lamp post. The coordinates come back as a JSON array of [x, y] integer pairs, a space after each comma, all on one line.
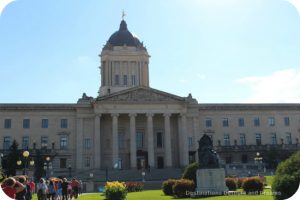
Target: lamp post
[[25, 156], [47, 165], [70, 171], [1, 156], [143, 175], [258, 160]]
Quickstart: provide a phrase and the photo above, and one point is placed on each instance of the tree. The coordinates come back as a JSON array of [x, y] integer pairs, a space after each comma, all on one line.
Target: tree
[[39, 171], [11, 159], [190, 172], [287, 177]]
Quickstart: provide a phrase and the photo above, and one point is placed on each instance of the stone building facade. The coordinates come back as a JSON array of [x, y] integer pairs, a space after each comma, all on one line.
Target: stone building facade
[[132, 126]]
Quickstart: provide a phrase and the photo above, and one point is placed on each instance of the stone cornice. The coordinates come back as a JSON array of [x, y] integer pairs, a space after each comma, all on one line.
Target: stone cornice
[[38, 106], [243, 107]]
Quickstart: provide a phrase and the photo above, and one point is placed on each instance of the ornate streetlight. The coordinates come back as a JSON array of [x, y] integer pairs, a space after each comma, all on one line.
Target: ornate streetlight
[[47, 165], [70, 171], [25, 156], [258, 160]]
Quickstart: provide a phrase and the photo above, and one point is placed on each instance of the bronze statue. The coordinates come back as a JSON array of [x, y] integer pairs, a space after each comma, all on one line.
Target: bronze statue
[[208, 158]]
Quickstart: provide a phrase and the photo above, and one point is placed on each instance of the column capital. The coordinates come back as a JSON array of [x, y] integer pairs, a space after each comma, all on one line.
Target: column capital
[[167, 114], [149, 114], [132, 115], [98, 115], [115, 114], [182, 114]]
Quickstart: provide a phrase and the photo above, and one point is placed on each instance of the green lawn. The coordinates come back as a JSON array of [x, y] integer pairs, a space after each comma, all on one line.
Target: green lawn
[[158, 194]]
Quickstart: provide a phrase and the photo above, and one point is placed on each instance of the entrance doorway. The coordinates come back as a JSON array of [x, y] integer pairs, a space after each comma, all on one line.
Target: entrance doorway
[[160, 162], [142, 159]]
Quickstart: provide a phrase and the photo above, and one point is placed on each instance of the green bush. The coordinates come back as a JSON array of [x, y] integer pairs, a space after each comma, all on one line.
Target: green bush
[[231, 183], [190, 172], [115, 191], [132, 186], [182, 187], [253, 185], [167, 186], [287, 177]]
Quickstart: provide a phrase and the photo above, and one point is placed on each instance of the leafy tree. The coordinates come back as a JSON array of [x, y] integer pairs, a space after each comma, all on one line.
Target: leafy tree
[[11, 159], [39, 171], [190, 172], [287, 177]]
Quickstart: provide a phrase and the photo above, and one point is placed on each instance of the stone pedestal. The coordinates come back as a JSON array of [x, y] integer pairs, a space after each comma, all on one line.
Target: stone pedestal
[[90, 186], [211, 182]]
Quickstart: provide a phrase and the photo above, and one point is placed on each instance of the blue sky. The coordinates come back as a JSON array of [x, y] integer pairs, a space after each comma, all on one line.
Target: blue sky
[[221, 51]]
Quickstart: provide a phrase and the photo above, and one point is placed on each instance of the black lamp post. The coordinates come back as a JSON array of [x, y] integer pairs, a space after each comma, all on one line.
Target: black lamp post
[[47, 165], [258, 160], [25, 156], [70, 171]]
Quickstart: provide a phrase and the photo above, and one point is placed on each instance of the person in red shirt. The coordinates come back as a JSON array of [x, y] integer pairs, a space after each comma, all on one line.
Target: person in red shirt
[[11, 187], [32, 186], [75, 185]]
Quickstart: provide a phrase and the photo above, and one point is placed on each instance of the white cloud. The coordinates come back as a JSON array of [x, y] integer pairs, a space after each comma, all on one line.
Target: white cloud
[[4, 3], [279, 87], [296, 4]]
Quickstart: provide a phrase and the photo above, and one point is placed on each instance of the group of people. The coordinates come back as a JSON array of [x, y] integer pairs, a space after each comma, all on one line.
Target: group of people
[[22, 188], [18, 187]]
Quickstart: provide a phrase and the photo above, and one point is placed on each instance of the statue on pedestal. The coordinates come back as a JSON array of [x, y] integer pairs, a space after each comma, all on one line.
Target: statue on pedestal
[[208, 158]]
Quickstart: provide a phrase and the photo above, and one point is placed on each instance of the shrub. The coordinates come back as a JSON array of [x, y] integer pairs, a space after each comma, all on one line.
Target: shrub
[[182, 187], [190, 172], [253, 185], [231, 184], [115, 191], [167, 186], [287, 177], [134, 186], [239, 182]]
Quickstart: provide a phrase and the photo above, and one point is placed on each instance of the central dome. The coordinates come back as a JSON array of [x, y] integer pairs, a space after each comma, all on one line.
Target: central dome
[[124, 37]]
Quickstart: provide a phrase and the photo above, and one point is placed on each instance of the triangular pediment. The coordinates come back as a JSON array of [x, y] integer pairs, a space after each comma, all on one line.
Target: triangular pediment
[[141, 94]]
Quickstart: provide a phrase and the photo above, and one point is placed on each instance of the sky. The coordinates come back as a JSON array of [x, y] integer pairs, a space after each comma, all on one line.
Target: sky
[[220, 51]]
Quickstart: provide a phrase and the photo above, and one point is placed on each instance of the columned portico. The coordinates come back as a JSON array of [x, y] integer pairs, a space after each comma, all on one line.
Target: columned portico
[[79, 143], [97, 142], [150, 139], [132, 140], [168, 149], [115, 147]]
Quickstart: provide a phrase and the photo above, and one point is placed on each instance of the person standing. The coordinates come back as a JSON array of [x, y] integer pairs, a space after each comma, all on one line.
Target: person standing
[[11, 187], [42, 190], [64, 189]]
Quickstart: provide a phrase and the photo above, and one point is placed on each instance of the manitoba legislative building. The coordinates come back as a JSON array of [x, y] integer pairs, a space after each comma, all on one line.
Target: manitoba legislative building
[[130, 127]]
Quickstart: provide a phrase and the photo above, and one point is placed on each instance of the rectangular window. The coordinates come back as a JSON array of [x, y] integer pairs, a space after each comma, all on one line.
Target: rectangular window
[[44, 142], [7, 123], [6, 142], [258, 138], [87, 143], [44, 123], [288, 137], [117, 81], [273, 138], [64, 123], [26, 123], [286, 121], [256, 121], [87, 162], [271, 121], [139, 140], [25, 142], [159, 140], [121, 140], [225, 122], [241, 122], [63, 142], [63, 163], [208, 122], [226, 140], [133, 80], [190, 141], [125, 80], [242, 138]]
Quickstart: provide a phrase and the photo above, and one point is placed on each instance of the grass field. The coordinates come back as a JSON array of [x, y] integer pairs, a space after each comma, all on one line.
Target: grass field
[[158, 194]]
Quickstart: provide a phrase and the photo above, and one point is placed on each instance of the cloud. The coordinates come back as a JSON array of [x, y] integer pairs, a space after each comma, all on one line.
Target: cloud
[[296, 4], [279, 87], [3, 4]]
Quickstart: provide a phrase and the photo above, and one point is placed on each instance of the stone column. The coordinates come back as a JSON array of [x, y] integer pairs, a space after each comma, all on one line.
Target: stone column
[[115, 147], [184, 152], [97, 143], [79, 143], [168, 148], [132, 141], [150, 139], [195, 136]]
